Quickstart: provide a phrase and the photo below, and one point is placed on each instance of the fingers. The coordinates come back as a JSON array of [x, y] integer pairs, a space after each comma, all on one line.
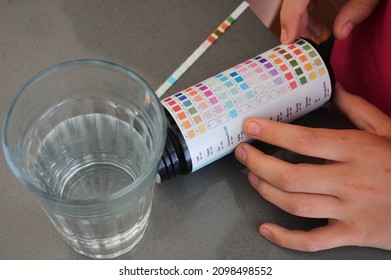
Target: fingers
[[363, 114], [328, 144], [304, 178], [321, 238], [352, 13], [292, 13], [298, 203], [297, 20]]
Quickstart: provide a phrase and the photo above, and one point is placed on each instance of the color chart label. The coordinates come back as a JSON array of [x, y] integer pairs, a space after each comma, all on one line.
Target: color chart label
[[281, 84]]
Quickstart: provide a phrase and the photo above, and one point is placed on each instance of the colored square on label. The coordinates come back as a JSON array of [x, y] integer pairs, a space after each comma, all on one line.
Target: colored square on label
[[288, 56], [284, 67], [253, 64], [244, 86], [171, 102], [291, 47], [203, 105], [192, 110], [189, 89], [289, 76], [197, 119], [193, 92], [322, 71], [233, 74], [258, 70], [182, 97], [249, 94], [224, 96], [312, 54], [318, 62], [208, 93], [239, 79], [303, 58], [278, 60], [264, 77], [262, 60], [213, 100], [293, 62], [191, 134], [297, 52], [239, 100], [306, 47], [187, 103], [218, 109], [181, 116], [186, 124], [308, 67], [282, 51], [178, 94], [234, 91], [208, 114], [303, 80], [312, 76], [273, 55], [203, 88], [299, 71], [274, 72], [176, 108], [223, 78], [202, 128], [229, 104], [233, 114], [300, 42], [278, 81], [198, 98], [283, 89], [229, 84], [268, 65], [293, 85]]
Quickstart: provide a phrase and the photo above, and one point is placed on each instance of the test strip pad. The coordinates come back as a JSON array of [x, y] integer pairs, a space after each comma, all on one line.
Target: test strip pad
[[281, 84]]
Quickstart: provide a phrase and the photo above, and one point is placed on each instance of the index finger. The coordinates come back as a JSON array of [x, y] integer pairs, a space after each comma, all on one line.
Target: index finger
[[336, 145]]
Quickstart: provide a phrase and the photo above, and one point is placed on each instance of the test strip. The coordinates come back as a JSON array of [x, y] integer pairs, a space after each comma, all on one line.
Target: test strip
[[201, 49]]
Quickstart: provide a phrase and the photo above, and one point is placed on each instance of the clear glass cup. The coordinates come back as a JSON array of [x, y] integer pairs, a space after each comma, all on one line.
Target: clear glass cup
[[85, 138]]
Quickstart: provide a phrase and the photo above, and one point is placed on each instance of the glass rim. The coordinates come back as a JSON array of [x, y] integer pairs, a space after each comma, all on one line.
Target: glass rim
[[22, 178]]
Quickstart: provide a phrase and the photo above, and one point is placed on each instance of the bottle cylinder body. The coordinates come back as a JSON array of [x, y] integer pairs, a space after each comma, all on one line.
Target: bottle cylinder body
[[281, 84]]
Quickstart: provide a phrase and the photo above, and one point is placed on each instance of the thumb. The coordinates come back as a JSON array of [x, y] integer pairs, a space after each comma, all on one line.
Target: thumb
[[363, 114], [351, 14], [317, 239]]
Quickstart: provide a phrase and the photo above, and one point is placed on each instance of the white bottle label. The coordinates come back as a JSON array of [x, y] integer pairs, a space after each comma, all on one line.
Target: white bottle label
[[281, 84]]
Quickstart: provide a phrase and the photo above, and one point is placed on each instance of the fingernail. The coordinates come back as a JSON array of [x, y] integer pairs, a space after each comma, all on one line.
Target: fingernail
[[346, 29], [284, 36], [253, 179], [265, 233], [241, 154], [252, 129]]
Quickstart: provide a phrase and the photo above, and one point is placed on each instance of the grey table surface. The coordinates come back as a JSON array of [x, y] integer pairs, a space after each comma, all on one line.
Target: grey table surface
[[210, 214]]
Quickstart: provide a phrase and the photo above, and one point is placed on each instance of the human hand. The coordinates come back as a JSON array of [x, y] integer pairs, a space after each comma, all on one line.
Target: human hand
[[297, 19], [352, 189]]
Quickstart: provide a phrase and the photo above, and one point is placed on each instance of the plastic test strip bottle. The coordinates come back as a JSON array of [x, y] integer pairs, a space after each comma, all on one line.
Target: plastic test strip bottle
[[205, 121]]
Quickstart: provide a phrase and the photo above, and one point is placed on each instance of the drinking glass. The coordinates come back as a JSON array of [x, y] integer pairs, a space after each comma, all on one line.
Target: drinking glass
[[85, 138]]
